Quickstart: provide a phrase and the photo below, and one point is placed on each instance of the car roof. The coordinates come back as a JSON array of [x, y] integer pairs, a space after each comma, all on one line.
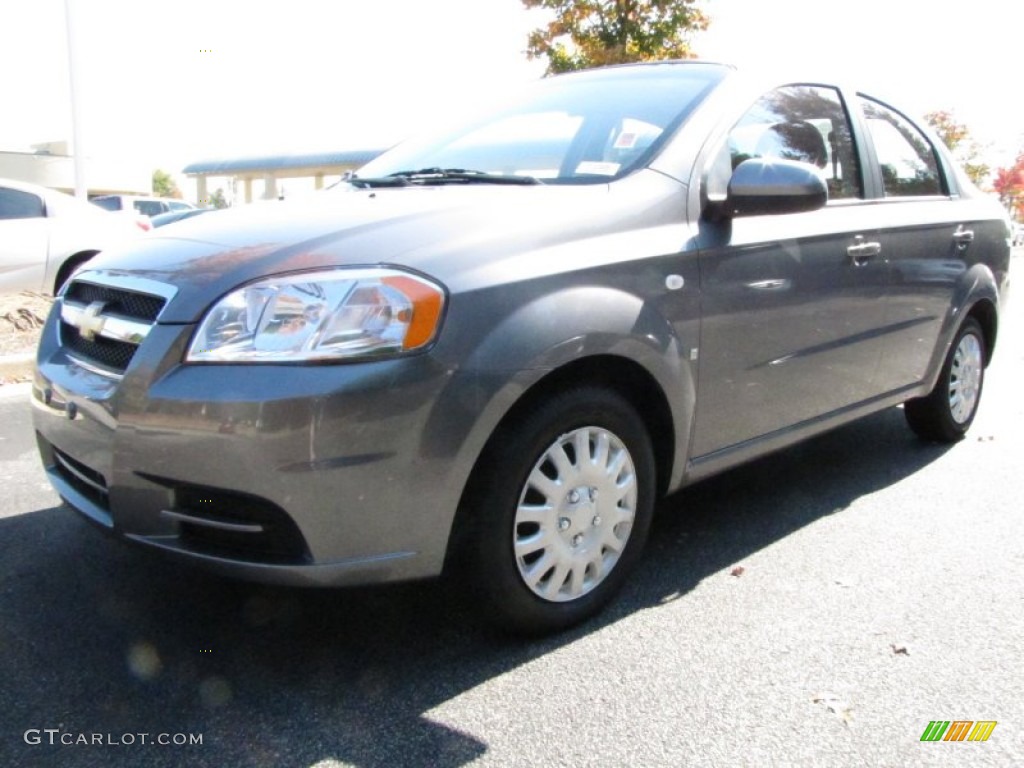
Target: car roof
[[26, 186]]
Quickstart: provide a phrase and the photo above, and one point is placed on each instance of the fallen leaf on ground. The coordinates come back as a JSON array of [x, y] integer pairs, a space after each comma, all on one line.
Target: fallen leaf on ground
[[836, 706], [737, 571]]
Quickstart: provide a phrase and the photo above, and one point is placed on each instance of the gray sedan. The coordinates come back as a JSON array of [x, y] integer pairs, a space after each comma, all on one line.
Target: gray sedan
[[492, 349]]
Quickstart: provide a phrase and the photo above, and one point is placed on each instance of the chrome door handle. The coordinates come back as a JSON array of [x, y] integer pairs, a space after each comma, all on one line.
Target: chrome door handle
[[862, 250], [771, 285], [963, 237]]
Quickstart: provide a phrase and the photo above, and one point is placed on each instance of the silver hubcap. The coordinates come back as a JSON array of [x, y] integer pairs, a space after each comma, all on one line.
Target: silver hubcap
[[965, 378], [575, 514]]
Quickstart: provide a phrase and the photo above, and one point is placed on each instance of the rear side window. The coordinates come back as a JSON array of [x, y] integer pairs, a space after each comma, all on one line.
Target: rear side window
[[149, 207], [807, 123], [108, 203], [906, 158], [15, 204]]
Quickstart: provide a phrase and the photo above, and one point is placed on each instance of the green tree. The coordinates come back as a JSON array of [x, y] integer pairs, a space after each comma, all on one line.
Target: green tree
[[957, 137], [593, 33], [164, 186], [217, 199]]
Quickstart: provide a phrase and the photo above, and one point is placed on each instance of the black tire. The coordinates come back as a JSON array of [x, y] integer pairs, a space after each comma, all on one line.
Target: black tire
[[586, 528], [946, 414]]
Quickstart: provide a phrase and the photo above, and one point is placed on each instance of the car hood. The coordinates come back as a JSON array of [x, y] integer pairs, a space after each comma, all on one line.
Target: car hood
[[452, 233]]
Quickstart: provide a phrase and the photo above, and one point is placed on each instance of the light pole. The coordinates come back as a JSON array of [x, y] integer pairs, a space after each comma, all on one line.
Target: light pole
[[77, 155]]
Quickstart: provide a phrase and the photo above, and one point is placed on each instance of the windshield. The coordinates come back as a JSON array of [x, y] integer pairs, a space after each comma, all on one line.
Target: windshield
[[584, 127]]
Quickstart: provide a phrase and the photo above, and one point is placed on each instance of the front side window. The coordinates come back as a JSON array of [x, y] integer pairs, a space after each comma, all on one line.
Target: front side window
[[15, 204], [907, 159], [806, 123], [586, 127]]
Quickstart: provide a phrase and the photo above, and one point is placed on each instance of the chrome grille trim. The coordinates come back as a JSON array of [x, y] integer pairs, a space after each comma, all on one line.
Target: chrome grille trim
[[81, 476], [91, 322], [206, 522], [93, 368]]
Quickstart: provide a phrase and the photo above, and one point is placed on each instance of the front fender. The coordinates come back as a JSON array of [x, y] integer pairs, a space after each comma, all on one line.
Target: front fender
[[542, 337]]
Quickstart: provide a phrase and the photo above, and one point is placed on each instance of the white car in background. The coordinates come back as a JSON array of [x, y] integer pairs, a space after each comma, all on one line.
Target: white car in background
[[146, 206], [45, 235]]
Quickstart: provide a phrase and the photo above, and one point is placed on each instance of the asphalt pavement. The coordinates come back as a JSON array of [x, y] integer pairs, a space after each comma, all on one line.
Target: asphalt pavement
[[818, 607]]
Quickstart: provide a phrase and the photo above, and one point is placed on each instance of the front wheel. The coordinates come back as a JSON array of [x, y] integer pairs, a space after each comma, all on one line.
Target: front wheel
[[947, 412], [560, 508]]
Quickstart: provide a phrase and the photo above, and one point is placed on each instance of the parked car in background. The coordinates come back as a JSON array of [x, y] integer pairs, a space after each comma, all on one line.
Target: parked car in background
[[163, 219], [147, 206], [1018, 234], [45, 235], [493, 349]]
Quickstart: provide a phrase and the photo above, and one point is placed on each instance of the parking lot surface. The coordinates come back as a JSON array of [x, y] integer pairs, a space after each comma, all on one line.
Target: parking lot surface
[[818, 607]]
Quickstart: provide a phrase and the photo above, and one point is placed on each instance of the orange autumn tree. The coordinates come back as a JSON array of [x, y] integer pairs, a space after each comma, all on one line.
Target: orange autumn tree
[[1009, 185], [957, 137], [594, 33]]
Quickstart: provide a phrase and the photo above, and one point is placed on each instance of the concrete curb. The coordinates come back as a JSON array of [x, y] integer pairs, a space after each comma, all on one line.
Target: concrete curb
[[16, 366], [12, 391]]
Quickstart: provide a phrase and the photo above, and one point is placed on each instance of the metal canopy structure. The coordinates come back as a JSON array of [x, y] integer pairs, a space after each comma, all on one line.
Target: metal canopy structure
[[271, 168]]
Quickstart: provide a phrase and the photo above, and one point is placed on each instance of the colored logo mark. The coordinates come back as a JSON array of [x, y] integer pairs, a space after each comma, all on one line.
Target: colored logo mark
[[958, 730]]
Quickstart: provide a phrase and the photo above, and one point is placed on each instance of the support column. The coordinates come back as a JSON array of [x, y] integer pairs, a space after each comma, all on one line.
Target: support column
[[202, 195], [248, 189], [270, 187]]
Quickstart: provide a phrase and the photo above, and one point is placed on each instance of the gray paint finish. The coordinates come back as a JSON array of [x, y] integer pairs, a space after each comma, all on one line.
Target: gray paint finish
[[744, 334]]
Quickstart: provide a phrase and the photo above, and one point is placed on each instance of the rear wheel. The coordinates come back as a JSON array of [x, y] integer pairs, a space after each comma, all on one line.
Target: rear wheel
[[560, 510], [947, 412]]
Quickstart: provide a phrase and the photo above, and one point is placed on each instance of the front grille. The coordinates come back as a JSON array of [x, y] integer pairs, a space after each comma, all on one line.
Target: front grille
[[140, 306], [109, 353], [84, 479], [103, 347]]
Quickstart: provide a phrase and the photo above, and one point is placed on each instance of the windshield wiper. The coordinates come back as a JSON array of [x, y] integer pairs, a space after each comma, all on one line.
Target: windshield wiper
[[440, 176]]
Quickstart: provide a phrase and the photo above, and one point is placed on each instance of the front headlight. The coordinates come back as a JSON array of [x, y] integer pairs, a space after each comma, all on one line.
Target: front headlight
[[329, 315]]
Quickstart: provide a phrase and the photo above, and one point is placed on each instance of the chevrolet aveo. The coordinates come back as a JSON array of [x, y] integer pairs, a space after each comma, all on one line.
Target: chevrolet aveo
[[493, 349]]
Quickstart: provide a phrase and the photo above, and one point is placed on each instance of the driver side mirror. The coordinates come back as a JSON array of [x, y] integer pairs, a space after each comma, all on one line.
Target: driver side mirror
[[762, 186]]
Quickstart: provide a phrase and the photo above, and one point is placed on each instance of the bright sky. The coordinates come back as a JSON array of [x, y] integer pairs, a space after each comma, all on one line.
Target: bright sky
[[178, 81]]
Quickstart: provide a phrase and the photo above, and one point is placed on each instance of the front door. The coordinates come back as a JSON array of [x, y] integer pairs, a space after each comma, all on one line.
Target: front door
[[792, 305]]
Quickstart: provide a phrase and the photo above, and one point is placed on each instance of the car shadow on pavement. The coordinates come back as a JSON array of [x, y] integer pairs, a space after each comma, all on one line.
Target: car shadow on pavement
[[98, 638]]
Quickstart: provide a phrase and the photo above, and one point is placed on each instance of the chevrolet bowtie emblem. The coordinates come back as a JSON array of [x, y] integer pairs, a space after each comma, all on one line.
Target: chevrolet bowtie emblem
[[90, 322]]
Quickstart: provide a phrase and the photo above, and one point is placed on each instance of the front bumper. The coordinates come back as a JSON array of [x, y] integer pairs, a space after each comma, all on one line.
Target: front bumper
[[291, 474]]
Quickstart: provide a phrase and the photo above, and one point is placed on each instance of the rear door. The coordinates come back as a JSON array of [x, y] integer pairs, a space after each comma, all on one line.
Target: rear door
[[24, 240], [792, 305], [927, 236]]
